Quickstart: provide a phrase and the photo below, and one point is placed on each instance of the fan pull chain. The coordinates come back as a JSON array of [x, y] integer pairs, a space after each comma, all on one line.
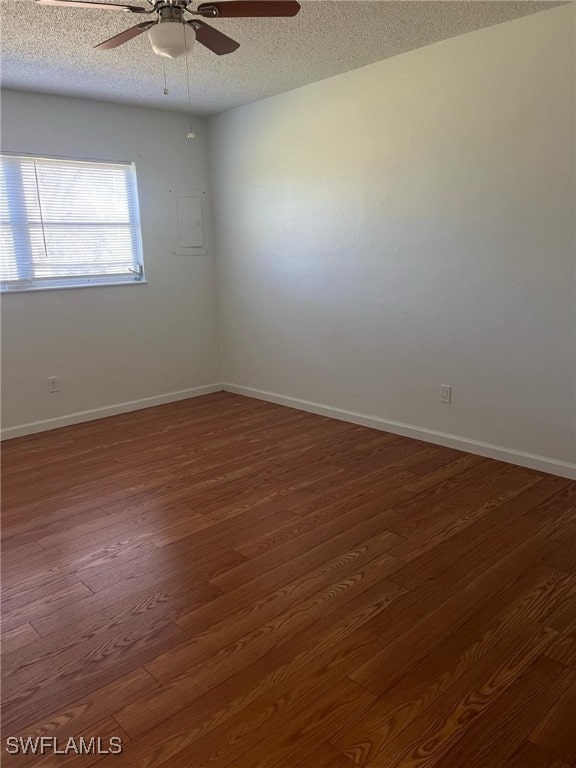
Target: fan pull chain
[[191, 134], [166, 91]]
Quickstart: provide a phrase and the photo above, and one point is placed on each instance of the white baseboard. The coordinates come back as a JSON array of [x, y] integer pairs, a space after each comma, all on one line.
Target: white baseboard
[[107, 410], [530, 460]]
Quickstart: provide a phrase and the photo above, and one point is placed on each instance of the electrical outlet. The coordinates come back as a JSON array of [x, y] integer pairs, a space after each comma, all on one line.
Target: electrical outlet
[[53, 384], [445, 393]]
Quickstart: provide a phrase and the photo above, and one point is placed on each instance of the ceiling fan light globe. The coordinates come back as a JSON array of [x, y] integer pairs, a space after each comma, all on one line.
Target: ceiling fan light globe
[[171, 38]]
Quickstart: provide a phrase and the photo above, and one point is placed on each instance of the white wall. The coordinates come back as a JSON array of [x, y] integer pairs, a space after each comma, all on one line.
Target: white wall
[[411, 224], [114, 344]]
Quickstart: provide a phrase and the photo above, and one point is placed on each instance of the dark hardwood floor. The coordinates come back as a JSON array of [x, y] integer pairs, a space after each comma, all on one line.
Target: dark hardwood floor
[[224, 582]]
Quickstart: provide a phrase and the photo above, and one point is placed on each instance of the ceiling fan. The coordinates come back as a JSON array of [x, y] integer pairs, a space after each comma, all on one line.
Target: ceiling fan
[[171, 34]]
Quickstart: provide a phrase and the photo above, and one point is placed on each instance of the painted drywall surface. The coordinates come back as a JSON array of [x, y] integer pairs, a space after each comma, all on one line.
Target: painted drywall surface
[[411, 224], [113, 344]]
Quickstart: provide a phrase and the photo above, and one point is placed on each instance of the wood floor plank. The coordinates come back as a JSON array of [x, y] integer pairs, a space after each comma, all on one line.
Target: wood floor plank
[[454, 548], [213, 732], [481, 487], [93, 707], [563, 557], [128, 571], [153, 608], [325, 508], [13, 553], [45, 605], [413, 638], [438, 487], [300, 734], [311, 546], [234, 584], [257, 642], [494, 738], [424, 683], [563, 649], [559, 512], [452, 515], [528, 755], [556, 733], [325, 756], [553, 600], [86, 667], [206, 643], [72, 568], [428, 740], [285, 662], [150, 594], [103, 730], [17, 637], [244, 605]]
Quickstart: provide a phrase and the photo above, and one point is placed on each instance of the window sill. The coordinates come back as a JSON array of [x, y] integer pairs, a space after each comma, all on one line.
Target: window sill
[[8, 291]]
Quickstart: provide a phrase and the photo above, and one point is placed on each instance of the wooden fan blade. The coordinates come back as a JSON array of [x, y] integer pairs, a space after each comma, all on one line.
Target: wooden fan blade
[[240, 8], [86, 4], [213, 39], [123, 37]]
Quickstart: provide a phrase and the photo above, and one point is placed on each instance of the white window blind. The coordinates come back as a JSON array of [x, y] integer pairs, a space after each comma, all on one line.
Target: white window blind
[[67, 223]]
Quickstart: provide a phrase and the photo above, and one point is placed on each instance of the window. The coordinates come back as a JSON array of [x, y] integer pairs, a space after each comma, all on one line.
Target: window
[[67, 223]]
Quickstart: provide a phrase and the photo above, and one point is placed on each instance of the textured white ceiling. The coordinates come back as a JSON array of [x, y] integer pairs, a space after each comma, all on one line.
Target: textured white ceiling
[[50, 49]]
